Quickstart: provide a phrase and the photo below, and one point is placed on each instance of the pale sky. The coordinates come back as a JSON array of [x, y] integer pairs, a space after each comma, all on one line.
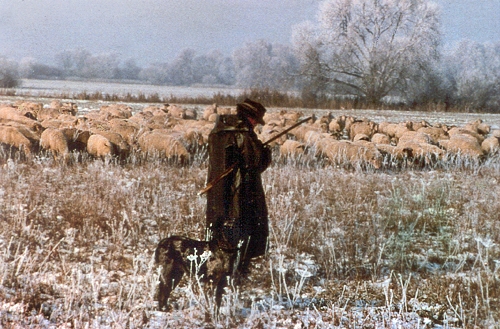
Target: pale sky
[[156, 30]]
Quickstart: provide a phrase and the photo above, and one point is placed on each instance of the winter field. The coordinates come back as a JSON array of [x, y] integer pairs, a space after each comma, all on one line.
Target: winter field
[[399, 247]]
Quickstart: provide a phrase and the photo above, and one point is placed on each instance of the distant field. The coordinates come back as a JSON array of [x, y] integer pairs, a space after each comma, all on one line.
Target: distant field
[[49, 87]]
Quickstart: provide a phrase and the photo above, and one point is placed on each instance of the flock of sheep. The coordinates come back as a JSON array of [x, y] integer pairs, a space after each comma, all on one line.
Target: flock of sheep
[[175, 133]]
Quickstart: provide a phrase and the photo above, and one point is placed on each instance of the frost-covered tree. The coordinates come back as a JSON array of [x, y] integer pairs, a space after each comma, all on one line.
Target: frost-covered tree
[[368, 48], [73, 62], [129, 70], [472, 75], [212, 68], [262, 64], [102, 66], [180, 72]]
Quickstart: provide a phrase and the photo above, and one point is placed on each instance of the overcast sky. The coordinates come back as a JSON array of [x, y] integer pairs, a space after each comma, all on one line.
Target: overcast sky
[[156, 30]]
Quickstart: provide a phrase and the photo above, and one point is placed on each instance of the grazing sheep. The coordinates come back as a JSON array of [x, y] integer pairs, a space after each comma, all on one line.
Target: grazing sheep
[[291, 148], [415, 136], [120, 111], [68, 108], [176, 111], [490, 145], [12, 137], [29, 109], [54, 141], [462, 131], [77, 139], [129, 130], [420, 153], [9, 114], [379, 138], [119, 146], [478, 126], [463, 144], [394, 130], [367, 128], [435, 133], [340, 152], [48, 113], [99, 146], [209, 110], [162, 145]]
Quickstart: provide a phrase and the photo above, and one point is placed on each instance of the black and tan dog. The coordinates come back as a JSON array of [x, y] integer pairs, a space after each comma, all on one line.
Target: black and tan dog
[[206, 260]]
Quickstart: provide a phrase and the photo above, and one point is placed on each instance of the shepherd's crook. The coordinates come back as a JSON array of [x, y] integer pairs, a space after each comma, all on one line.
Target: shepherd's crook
[[231, 168]]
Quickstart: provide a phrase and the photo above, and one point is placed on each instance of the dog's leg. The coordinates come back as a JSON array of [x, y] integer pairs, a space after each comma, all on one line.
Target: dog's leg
[[171, 274], [219, 291]]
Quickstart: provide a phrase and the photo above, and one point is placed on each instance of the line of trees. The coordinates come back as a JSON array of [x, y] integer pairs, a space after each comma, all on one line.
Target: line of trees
[[372, 51]]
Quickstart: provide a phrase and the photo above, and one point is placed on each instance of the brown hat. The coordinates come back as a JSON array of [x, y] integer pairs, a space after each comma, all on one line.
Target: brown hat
[[253, 109]]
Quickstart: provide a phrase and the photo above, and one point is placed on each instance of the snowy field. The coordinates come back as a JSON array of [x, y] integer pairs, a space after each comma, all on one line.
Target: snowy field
[[402, 248], [48, 87]]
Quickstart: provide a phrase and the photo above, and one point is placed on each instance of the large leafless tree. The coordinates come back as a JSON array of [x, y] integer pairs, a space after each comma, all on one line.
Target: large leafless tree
[[368, 48]]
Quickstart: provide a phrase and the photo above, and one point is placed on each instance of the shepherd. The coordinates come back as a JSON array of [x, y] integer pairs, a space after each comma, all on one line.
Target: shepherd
[[236, 203]]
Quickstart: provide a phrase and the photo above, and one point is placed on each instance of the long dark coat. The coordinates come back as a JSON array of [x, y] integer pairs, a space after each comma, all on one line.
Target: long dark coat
[[236, 205]]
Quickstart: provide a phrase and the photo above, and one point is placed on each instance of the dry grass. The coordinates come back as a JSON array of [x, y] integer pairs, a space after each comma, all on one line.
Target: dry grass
[[349, 247]]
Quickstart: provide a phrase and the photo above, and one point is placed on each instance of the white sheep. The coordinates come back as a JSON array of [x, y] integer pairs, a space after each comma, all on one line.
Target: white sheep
[[99, 146]]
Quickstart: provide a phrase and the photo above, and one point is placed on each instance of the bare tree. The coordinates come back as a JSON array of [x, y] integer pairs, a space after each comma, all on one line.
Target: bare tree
[[368, 48]]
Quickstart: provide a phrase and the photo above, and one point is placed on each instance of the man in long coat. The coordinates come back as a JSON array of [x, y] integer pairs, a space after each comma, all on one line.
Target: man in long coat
[[236, 204]]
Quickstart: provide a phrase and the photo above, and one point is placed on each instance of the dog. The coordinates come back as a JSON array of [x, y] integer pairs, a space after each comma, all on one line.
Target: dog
[[208, 260]]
